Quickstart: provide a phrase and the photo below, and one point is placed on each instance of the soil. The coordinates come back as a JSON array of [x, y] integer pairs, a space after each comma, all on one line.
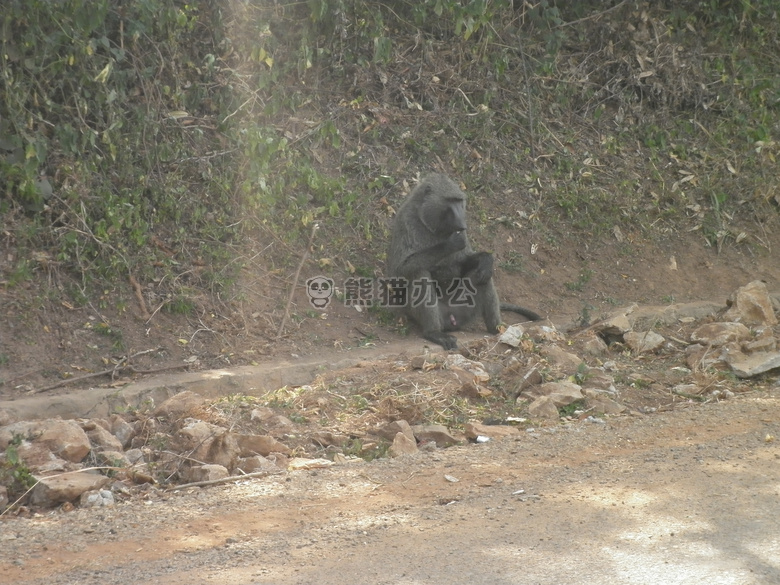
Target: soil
[[674, 492], [684, 496]]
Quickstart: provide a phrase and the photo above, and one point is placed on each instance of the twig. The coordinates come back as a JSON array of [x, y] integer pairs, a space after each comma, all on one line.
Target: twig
[[116, 369], [139, 295], [592, 16], [314, 229], [224, 480]]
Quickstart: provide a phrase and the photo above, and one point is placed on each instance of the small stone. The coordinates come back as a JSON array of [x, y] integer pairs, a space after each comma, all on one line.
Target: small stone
[[543, 408], [50, 491], [402, 445], [122, 430], [418, 362], [643, 341], [260, 444], [513, 335], [562, 393], [209, 472], [455, 360], [390, 430], [474, 430], [593, 345], [439, 434], [752, 305], [112, 459], [717, 334], [566, 362], [601, 404], [255, 463], [64, 438], [96, 499], [747, 366], [103, 440], [134, 456], [181, 405]]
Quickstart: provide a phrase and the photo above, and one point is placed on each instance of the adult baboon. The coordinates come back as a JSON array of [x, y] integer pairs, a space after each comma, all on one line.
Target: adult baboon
[[432, 266]]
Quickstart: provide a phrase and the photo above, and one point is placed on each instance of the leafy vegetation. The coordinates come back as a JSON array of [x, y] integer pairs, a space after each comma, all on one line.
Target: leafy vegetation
[[157, 142]]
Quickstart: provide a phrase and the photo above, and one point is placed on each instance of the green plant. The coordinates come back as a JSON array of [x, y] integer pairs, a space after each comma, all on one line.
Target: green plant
[[14, 474], [583, 278], [571, 409]]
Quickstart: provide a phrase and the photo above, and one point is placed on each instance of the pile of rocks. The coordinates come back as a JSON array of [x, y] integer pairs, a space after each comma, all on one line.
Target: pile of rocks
[[75, 460]]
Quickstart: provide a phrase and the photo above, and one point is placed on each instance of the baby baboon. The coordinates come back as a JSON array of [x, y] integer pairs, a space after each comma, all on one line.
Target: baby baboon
[[431, 264]]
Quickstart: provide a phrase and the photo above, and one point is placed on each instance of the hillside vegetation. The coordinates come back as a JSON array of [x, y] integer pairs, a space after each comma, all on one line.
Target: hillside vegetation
[[163, 159]]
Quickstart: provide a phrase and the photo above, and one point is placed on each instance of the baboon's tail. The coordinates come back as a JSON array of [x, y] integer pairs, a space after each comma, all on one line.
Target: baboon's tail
[[521, 311]]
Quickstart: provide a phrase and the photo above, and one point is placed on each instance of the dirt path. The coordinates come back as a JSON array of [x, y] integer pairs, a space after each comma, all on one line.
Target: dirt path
[[689, 496]]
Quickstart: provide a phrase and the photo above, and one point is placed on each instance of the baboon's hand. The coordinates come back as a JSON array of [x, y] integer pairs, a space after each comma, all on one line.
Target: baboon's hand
[[447, 341]]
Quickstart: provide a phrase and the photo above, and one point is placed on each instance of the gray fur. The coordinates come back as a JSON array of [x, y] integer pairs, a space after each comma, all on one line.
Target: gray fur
[[429, 242]]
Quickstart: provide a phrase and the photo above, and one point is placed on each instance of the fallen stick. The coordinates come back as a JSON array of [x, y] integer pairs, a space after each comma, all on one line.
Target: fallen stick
[[224, 480]]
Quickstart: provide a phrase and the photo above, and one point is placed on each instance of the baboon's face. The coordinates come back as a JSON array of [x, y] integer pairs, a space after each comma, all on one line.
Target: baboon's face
[[444, 215]]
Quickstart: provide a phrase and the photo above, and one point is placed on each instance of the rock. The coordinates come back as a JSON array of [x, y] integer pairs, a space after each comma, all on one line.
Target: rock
[[687, 390], [531, 378], [327, 438], [747, 366], [390, 430], [543, 408], [122, 430], [112, 459], [134, 456], [208, 472], [566, 362], [601, 404], [592, 344], [513, 335], [474, 391], [598, 379], [562, 393], [402, 445], [716, 334], [179, 406], [643, 318], [96, 499], [275, 424], [210, 443], [455, 360], [103, 440], [255, 463], [439, 434], [56, 489], [764, 340], [544, 331], [299, 463], [64, 438], [261, 414], [699, 357], [39, 458], [751, 305], [3, 497], [419, 362], [260, 445], [643, 341], [616, 324], [474, 430]]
